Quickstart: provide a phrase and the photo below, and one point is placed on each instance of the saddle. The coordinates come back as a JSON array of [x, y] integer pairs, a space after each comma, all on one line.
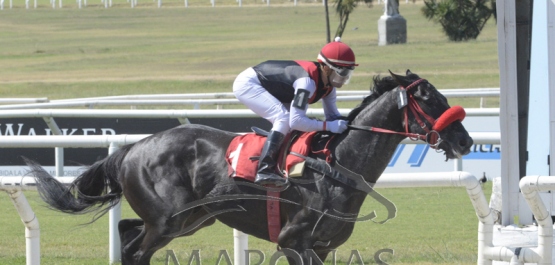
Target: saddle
[[244, 151]]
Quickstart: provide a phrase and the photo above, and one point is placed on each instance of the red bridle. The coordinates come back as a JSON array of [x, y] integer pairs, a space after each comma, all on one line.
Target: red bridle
[[455, 113]]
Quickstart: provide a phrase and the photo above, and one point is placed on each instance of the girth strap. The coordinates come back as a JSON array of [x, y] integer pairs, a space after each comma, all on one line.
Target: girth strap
[[273, 214], [338, 173]]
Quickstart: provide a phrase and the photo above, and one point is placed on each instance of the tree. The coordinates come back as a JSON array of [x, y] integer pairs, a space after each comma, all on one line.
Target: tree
[[327, 21], [344, 8], [461, 19]]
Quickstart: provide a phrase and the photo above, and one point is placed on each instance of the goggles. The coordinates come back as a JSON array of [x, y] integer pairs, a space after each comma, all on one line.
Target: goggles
[[340, 75], [342, 71]]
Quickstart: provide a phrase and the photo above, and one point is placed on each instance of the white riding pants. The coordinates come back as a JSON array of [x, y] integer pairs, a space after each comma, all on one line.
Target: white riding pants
[[249, 91]]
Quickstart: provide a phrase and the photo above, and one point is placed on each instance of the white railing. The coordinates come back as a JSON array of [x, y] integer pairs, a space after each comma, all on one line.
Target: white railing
[[133, 3], [217, 99], [100, 141], [14, 187], [457, 92], [177, 114], [183, 116], [22, 100], [14, 184], [487, 252]]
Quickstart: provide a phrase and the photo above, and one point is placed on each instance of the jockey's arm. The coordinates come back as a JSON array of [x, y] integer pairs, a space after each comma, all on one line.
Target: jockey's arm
[[329, 104], [304, 90]]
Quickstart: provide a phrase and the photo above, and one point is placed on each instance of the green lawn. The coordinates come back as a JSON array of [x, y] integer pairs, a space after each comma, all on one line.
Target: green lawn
[[433, 226], [69, 52]]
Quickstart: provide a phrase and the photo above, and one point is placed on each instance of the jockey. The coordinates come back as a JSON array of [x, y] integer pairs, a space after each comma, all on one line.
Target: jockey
[[280, 92]]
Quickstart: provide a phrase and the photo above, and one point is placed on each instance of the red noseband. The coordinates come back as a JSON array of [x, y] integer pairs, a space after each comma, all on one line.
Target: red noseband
[[455, 113]]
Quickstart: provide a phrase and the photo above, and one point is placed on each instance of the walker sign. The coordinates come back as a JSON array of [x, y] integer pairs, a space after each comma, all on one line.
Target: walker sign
[[483, 159], [75, 159]]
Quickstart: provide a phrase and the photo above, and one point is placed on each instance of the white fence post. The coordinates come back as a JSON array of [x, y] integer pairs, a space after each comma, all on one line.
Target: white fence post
[[240, 244], [32, 231], [458, 164], [114, 216]]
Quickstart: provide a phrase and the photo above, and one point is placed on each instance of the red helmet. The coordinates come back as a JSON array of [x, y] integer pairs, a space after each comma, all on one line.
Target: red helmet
[[337, 53]]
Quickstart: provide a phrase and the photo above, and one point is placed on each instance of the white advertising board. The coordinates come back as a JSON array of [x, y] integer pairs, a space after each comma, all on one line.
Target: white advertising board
[[483, 159]]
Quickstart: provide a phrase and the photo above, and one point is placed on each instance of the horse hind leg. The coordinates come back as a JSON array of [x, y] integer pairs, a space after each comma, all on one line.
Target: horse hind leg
[[131, 235], [141, 238], [150, 237]]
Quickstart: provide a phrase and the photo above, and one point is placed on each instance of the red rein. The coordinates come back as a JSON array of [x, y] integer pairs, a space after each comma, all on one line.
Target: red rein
[[453, 114]]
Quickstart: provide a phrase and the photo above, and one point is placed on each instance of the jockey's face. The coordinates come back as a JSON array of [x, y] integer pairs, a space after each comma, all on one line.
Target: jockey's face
[[338, 76]]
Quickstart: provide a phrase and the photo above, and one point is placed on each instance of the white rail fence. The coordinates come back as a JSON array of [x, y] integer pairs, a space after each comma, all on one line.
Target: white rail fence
[[202, 99], [49, 115], [487, 252], [541, 254], [133, 3], [108, 3], [182, 115], [14, 184]]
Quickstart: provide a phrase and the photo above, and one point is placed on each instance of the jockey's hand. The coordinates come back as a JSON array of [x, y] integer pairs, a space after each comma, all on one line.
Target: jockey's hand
[[337, 126]]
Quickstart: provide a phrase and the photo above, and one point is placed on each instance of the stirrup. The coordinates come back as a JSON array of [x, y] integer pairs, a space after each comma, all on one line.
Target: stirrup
[[259, 131]]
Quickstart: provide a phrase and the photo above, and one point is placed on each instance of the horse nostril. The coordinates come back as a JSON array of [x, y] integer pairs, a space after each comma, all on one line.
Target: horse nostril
[[466, 142]]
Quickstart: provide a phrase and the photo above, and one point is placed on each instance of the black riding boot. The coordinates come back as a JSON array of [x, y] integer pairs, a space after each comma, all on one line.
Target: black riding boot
[[266, 174]]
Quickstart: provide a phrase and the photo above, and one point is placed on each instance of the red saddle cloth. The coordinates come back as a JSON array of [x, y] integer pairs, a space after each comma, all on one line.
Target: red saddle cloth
[[244, 150]]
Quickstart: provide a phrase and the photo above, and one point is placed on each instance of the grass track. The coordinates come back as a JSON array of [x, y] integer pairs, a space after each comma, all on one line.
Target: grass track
[[433, 226]]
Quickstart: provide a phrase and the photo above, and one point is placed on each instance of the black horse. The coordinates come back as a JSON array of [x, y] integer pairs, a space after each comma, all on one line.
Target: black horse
[[177, 180]]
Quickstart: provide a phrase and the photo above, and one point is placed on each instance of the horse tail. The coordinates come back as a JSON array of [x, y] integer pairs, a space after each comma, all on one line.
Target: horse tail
[[95, 190]]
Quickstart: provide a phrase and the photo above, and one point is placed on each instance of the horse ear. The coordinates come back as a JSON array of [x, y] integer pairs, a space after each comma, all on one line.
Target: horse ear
[[400, 80], [408, 72]]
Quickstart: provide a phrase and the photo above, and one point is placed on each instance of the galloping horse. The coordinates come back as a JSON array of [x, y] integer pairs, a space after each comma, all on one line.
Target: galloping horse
[[177, 180]]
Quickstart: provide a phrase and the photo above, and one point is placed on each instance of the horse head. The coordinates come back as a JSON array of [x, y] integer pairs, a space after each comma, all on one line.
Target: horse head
[[430, 118]]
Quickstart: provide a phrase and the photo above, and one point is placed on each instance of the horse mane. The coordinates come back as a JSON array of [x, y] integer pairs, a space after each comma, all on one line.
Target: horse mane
[[380, 86]]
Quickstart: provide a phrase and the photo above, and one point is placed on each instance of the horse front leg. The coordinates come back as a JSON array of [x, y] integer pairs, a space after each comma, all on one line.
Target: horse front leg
[[300, 247]]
